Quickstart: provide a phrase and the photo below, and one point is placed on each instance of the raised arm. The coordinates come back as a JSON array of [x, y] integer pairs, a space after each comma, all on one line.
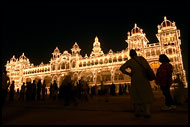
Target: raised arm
[[123, 67]]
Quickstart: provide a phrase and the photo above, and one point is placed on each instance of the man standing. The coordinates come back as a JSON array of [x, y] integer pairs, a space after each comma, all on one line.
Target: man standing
[[141, 91]]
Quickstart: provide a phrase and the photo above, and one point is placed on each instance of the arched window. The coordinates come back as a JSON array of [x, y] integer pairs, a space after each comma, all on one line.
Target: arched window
[[73, 65], [63, 66], [92, 62], [67, 65], [101, 61], [158, 52], [125, 57], [53, 68], [84, 64], [80, 65], [110, 60], [96, 62], [114, 59], [105, 60], [120, 58], [88, 64]]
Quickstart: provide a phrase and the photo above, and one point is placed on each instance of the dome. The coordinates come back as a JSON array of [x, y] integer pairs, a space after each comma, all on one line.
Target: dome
[[166, 23], [136, 29]]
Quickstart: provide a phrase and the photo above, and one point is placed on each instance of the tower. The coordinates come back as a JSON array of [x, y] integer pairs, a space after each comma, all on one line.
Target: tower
[[137, 40], [75, 50], [169, 38], [96, 51]]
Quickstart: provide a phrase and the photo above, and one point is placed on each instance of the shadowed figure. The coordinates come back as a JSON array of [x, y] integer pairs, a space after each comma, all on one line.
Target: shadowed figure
[[22, 92], [164, 80], [33, 88], [141, 91], [54, 90], [43, 90], [179, 91], [12, 91], [39, 87], [5, 85]]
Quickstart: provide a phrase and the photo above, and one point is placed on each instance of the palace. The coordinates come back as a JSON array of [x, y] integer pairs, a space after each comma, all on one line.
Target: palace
[[99, 66]]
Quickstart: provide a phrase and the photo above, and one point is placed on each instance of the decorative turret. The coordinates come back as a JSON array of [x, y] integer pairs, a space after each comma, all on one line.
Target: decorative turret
[[24, 60], [56, 53], [137, 40], [110, 51], [75, 49], [169, 38], [166, 25], [13, 59], [96, 51]]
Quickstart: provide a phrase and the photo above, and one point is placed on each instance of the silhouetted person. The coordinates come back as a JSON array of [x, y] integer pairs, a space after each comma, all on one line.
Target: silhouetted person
[[43, 90], [113, 89], [22, 92], [85, 89], [12, 91], [120, 89], [54, 90], [28, 91], [164, 80], [5, 85], [51, 90], [67, 90], [79, 89], [17, 92], [141, 91], [39, 87], [179, 91], [33, 90]]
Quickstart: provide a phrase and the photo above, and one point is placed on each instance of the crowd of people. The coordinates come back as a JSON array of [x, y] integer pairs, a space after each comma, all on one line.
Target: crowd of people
[[71, 91]]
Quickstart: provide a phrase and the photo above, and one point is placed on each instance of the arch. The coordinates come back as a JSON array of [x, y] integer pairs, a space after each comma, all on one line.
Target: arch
[[118, 76], [84, 64], [37, 79], [125, 57], [92, 62], [114, 59], [48, 80], [67, 65], [88, 64], [55, 77], [80, 64], [61, 78], [105, 60], [120, 58], [110, 60], [101, 61], [28, 79], [96, 62], [88, 75], [106, 76]]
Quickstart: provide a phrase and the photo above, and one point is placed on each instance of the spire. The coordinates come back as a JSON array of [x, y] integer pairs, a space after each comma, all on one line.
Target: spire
[[96, 39], [165, 18], [135, 25]]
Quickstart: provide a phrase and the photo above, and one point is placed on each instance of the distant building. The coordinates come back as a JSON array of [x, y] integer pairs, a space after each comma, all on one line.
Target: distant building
[[99, 66]]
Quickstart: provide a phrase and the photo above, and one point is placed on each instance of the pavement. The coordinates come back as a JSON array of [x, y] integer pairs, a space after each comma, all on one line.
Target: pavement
[[117, 111]]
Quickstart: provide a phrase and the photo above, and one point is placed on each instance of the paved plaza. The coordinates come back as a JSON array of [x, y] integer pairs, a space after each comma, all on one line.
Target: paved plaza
[[117, 111]]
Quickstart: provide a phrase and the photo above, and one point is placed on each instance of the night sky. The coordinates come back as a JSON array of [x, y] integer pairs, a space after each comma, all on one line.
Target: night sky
[[36, 28]]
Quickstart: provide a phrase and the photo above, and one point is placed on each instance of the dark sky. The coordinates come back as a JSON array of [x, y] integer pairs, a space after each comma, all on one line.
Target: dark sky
[[36, 28]]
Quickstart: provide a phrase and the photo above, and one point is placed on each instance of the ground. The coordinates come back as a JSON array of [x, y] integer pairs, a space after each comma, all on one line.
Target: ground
[[117, 111]]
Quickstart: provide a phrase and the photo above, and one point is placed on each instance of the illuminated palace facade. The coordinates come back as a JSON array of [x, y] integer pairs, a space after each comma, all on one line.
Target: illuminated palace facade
[[99, 66]]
